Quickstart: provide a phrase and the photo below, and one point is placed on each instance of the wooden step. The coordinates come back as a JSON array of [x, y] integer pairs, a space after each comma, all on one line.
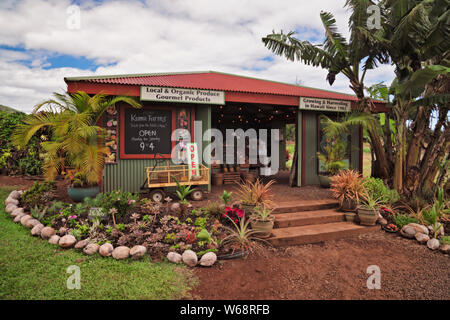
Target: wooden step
[[303, 218], [317, 233], [304, 205]]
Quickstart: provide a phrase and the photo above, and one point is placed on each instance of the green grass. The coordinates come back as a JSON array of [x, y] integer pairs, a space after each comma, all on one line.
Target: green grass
[[31, 268], [445, 240]]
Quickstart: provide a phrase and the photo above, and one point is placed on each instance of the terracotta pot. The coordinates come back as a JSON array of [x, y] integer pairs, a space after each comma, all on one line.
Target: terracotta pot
[[263, 228], [367, 217], [349, 205]]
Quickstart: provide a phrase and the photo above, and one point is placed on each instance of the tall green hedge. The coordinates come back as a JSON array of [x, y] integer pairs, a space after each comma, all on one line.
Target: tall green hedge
[[13, 161]]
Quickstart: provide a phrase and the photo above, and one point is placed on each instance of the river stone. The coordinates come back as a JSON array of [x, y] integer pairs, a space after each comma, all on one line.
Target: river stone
[[91, 248], [14, 195], [47, 233], [175, 208], [31, 223], [421, 238], [190, 258], [121, 252], [36, 231], [174, 257], [433, 244], [18, 217], [10, 200], [137, 252], [10, 208], [418, 227], [17, 211], [62, 231], [67, 241], [81, 244], [408, 232], [54, 239], [208, 259], [445, 248], [382, 221], [25, 218], [106, 249]]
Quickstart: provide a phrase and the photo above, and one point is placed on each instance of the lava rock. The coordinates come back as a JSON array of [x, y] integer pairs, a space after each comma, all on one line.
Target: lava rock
[[54, 239], [106, 249], [91, 248], [208, 259], [81, 244], [190, 258], [121, 252], [138, 252], [36, 231], [47, 233], [433, 244], [174, 257], [67, 241], [422, 238]]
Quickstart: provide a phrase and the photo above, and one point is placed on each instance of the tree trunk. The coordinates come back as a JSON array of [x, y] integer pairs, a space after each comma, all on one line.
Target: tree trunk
[[418, 132]]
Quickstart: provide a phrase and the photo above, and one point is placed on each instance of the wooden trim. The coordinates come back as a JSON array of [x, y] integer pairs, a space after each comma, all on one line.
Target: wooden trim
[[303, 149], [361, 151], [192, 124], [124, 155]]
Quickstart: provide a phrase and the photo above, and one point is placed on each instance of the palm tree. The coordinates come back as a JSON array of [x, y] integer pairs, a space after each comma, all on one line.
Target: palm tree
[[77, 140], [352, 58]]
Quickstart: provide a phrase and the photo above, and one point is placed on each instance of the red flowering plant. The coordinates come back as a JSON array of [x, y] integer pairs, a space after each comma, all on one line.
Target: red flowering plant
[[189, 236], [235, 214]]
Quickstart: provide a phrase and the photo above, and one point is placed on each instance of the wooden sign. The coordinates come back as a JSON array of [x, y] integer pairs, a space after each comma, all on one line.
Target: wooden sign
[[317, 104]]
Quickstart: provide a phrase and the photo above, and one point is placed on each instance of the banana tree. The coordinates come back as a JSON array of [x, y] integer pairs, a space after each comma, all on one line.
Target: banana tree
[[77, 140], [353, 59]]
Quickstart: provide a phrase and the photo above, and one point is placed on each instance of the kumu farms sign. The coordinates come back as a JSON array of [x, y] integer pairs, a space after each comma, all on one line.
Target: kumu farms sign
[[317, 104], [167, 94]]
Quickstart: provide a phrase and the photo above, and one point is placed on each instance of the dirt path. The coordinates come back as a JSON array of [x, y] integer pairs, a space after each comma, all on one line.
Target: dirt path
[[332, 270]]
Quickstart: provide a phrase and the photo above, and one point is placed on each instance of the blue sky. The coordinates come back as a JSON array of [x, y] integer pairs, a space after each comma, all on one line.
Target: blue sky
[[39, 44]]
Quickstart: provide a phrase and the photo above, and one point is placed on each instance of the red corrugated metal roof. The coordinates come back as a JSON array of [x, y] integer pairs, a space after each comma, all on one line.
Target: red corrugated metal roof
[[212, 80]]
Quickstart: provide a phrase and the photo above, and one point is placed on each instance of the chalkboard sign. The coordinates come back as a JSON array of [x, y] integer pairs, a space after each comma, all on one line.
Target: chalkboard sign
[[147, 131]]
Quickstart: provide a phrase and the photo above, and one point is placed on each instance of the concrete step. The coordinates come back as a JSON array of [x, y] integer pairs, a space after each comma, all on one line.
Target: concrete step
[[303, 218], [304, 205], [317, 233]]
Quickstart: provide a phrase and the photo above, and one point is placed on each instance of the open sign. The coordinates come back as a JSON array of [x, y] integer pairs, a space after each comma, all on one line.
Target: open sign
[[192, 154]]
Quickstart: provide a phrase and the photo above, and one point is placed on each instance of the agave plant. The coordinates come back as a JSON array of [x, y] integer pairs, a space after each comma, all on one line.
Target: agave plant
[[348, 184], [77, 140], [256, 193], [241, 237]]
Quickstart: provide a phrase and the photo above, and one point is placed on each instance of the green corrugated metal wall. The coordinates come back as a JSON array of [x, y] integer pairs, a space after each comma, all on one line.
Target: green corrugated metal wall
[[129, 174]]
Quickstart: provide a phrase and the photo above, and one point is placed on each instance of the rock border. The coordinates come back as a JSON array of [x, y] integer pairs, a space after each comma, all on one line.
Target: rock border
[[67, 241], [422, 235]]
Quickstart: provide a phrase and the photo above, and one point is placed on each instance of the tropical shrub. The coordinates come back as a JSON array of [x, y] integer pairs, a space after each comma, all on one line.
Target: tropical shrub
[[402, 220], [38, 195], [348, 184], [377, 188], [116, 202], [14, 160]]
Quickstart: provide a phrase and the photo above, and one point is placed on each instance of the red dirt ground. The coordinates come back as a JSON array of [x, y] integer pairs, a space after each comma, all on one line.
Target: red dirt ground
[[331, 270]]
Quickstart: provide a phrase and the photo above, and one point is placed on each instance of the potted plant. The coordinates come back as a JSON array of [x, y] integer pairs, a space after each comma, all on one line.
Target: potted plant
[[79, 187], [262, 221], [348, 187], [253, 194], [368, 210]]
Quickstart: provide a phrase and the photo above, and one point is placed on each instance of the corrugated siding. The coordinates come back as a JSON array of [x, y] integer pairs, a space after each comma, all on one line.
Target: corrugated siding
[[311, 176], [126, 175]]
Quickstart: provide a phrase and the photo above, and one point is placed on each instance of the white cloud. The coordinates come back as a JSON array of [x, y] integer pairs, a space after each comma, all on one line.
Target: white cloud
[[158, 36]]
